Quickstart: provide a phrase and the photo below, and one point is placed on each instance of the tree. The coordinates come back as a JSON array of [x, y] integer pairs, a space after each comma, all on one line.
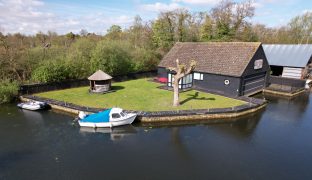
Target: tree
[[114, 32], [113, 57], [222, 15], [79, 56], [163, 31], [230, 18], [207, 29], [70, 38], [83, 32], [136, 31], [181, 71], [301, 28], [182, 16]]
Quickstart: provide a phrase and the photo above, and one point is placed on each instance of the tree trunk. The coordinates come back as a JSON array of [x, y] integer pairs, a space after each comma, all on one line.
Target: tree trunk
[[176, 92]]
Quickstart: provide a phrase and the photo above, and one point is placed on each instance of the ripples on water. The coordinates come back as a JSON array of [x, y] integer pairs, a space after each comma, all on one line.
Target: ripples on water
[[273, 144]]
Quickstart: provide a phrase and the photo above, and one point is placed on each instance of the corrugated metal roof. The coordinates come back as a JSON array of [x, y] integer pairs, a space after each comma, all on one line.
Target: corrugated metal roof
[[293, 55]]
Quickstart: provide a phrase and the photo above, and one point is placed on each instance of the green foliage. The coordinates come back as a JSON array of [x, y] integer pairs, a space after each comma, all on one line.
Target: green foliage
[[8, 91], [114, 32], [207, 29], [163, 36], [79, 58], [145, 59], [51, 72], [112, 57], [139, 47]]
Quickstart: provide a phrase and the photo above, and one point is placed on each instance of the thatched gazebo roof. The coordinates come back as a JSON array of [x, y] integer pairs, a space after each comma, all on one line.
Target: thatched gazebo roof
[[99, 76]]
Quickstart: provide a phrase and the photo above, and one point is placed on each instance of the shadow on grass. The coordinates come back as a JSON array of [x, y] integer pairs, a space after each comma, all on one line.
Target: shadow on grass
[[116, 88], [195, 97]]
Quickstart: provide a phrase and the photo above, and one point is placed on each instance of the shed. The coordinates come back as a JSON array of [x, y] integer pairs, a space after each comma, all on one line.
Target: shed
[[289, 60], [228, 68], [100, 82]]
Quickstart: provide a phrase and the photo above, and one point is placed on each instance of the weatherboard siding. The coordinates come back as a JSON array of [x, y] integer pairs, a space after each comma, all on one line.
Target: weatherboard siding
[[250, 70], [289, 72], [215, 83], [254, 80]]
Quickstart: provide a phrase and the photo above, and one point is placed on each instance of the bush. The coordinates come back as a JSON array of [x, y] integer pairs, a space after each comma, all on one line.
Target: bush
[[145, 60], [8, 91], [113, 57], [51, 72]]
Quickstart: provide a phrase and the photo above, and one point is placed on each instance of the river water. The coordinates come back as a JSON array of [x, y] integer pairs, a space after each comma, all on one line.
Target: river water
[[273, 144]]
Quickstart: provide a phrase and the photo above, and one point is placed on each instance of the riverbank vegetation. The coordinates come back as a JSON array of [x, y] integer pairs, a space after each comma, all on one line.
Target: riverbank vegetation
[[49, 57], [146, 97], [8, 90]]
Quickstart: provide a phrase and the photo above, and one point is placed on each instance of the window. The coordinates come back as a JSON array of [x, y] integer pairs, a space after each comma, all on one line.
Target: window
[[169, 79], [258, 64], [115, 115], [198, 76], [185, 82], [226, 82], [122, 114]]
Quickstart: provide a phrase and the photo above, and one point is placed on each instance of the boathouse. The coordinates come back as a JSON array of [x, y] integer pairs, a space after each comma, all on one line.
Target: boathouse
[[289, 61], [228, 68], [100, 82]]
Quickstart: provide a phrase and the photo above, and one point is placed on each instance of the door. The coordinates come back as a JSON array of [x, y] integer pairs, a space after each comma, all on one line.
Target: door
[[253, 83]]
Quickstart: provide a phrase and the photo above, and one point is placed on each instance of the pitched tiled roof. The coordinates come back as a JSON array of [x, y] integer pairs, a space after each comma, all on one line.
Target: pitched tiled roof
[[226, 58], [99, 76]]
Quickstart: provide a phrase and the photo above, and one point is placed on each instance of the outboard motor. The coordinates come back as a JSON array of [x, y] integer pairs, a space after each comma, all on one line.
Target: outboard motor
[[82, 115]]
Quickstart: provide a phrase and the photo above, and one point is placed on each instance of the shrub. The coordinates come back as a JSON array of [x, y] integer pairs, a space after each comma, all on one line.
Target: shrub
[[8, 91], [51, 72], [112, 57]]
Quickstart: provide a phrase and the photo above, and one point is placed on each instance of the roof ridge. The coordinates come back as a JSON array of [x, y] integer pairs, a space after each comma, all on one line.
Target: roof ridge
[[224, 42]]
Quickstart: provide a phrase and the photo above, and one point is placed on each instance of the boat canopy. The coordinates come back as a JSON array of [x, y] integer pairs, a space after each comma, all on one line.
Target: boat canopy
[[98, 117]]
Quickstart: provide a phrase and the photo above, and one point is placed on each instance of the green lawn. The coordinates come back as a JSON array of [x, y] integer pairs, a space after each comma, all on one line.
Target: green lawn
[[141, 95]]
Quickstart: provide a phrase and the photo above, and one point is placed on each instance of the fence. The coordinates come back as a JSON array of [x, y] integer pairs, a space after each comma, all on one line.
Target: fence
[[286, 84], [287, 81], [43, 87]]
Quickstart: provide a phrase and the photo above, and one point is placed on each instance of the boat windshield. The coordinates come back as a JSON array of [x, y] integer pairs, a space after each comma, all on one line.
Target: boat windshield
[[115, 115], [122, 114]]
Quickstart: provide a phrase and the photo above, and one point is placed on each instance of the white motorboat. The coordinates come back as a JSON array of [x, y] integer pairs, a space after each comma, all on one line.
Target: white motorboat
[[33, 105], [107, 118]]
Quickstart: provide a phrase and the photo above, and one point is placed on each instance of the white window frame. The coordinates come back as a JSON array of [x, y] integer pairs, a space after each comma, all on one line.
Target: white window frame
[[198, 76], [169, 79], [258, 64]]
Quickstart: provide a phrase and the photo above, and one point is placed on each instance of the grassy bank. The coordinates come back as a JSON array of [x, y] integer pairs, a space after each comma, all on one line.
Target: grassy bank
[[141, 95]]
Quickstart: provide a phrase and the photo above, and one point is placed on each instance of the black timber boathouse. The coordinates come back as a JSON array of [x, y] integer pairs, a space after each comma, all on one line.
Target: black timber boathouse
[[227, 68]]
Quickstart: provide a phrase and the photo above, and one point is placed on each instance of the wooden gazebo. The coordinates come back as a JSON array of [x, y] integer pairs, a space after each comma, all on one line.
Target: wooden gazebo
[[100, 82]]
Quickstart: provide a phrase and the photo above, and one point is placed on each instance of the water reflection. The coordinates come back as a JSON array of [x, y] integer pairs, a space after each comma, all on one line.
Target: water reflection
[[241, 128], [292, 108], [32, 117], [116, 133]]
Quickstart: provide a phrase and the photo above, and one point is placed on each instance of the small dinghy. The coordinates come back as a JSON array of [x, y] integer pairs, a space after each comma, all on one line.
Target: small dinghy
[[108, 118], [33, 105]]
